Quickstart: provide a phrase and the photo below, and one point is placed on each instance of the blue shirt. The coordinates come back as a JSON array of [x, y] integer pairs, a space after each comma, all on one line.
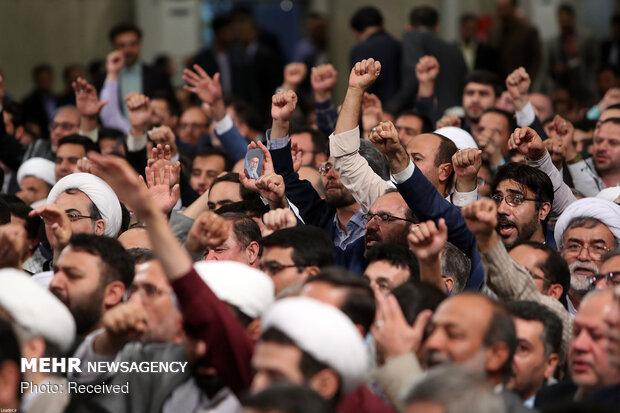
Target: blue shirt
[[355, 229]]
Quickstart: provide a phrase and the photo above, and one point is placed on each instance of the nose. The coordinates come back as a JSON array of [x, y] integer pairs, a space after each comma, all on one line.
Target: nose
[[211, 256], [57, 283], [503, 208], [581, 342], [584, 254], [435, 341], [372, 224]]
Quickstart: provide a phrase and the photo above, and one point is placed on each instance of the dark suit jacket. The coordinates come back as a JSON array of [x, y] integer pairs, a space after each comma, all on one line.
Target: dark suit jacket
[[383, 47], [34, 110], [565, 392], [452, 70]]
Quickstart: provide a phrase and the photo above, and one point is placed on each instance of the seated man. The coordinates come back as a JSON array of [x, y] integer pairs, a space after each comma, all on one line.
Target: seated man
[[35, 177], [592, 376], [292, 255], [539, 336]]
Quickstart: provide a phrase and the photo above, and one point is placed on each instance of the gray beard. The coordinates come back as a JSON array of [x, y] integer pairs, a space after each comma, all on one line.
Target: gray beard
[[579, 283]]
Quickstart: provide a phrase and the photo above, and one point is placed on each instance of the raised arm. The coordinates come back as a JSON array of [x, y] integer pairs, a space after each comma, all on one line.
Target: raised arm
[[112, 115], [355, 174]]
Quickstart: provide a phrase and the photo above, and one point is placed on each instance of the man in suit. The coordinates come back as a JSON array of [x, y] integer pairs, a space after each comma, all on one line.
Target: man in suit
[[421, 39], [126, 72], [374, 41], [592, 376]]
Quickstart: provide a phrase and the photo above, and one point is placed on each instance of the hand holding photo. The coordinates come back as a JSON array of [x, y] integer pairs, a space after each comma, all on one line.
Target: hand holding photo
[[254, 163]]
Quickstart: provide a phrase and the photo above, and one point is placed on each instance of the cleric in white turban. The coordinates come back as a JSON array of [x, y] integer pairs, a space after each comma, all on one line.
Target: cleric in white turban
[[100, 194], [461, 138], [320, 330], [35, 178], [605, 211], [247, 289]]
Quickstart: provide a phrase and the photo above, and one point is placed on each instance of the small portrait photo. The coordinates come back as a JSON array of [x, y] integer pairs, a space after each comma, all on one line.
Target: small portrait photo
[[254, 163]]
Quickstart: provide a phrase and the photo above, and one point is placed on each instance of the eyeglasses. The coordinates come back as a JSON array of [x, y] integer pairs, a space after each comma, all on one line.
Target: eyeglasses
[[146, 290], [383, 217], [512, 200], [274, 267], [612, 278], [66, 126], [538, 277], [324, 169], [595, 250], [75, 217]]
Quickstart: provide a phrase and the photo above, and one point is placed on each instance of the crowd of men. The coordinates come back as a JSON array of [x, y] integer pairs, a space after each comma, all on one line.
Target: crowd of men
[[444, 243]]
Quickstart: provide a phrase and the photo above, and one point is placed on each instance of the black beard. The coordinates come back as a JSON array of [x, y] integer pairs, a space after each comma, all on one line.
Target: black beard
[[207, 383], [341, 200]]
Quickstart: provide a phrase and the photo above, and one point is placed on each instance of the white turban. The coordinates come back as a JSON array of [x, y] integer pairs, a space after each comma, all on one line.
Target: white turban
[[36, 309], [609, 194], [325, 333], [605, 211], [461, 138], [39, 167], [247, 288], [99, 193]]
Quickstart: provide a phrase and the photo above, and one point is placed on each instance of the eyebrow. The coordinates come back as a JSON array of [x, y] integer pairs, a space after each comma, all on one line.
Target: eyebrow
[[73, 211], [594, 241]]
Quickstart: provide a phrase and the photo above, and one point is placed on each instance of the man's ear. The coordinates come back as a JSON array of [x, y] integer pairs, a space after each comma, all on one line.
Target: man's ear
[[19, 132], [113, 294], [34, 348], [544, 210], [497, 356], [551, 364], [99, 227], [326, 383], [445, 170], [449, 281], [251, 252], [254, 329], [555, 291], [311, 271]]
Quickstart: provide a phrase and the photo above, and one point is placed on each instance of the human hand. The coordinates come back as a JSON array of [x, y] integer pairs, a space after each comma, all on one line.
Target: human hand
[[86, 98], [563, 130], [527, 141], [162, 156], [125, 322], [391, 332], [448, 120], [385, 138], [271, 187], [13, 245], [481, 218], [278, 219], [138, 112], [323, 78], [208, 89], [294, 74], [114, 63], [164, 136], [283, 105], [245, 180], [364, 74], [466, 164], [518, 84], [162, 192], [208, 231], [426, 71], [57, 225], [612, 97], [297, 156], [426, 239]]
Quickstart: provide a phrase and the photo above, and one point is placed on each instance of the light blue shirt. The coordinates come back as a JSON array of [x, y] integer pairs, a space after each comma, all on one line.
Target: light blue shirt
[[130, 80]]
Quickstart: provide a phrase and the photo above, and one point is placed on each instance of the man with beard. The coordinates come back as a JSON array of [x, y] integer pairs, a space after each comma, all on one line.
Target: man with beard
[[252, 168], [90, 278], [584, 232], [338, 213]]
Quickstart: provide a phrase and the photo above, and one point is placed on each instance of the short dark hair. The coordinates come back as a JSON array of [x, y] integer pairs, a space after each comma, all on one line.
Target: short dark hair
[[117, 136], [423, 16], [396, 255], [15, 110], [319, 140], [287, 398], [245, 228], [216, 151], [40, 68], [552, 325], [427, 125], [311, 245], [253, 208], [532, 178], [141, 255], [413, 298], [116, 263], [77, 139], [445, 152], [122, 28], [512, 123], [366, 17], [374, 157], [455, 264], [359, 304], [244, 193], [554, 268], [502, 329], [221, 21], [484, 77], [308, 365]]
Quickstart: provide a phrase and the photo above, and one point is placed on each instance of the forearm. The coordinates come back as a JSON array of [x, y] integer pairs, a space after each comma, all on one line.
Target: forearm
[[88, 123], [350, 112], [173, 258], [430, 272], [111, 115], [233, 142]]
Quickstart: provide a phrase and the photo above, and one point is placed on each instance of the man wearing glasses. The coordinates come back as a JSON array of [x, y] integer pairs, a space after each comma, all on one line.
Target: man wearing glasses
[[585, 231]]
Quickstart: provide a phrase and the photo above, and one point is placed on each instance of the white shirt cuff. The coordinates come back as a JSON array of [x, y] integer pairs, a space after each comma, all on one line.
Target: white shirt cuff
[[526, 116], [464, 198], [135, 143], [403, 175], [224, 125]]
